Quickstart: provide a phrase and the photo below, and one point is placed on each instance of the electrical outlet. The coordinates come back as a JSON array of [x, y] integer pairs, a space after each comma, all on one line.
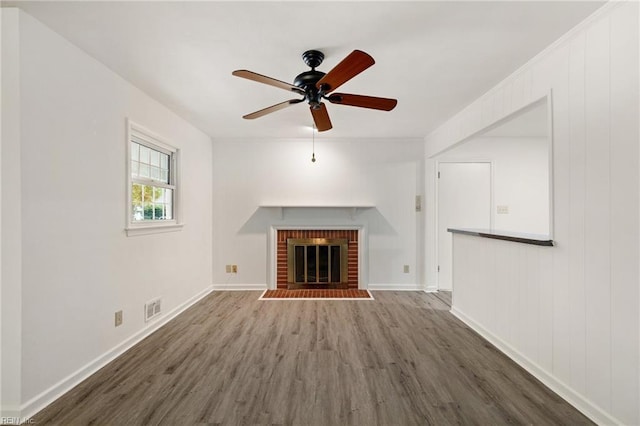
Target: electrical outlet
[[406, 269], [234, 269], [228, 269], [503, 209], [118, 318]]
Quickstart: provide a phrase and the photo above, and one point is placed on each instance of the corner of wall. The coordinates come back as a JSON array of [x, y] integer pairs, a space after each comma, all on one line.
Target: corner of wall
[[10, 223]]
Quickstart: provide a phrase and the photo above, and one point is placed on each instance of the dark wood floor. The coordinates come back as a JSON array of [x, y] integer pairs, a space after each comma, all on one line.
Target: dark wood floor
[[444, 296], [402, 359]]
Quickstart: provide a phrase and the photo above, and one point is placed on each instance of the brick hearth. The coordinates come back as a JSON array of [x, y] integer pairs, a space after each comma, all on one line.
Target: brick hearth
[[350, 234], [317, 294]]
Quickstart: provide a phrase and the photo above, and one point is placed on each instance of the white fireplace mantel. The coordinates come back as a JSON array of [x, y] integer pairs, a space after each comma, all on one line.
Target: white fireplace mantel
[[353, 210]]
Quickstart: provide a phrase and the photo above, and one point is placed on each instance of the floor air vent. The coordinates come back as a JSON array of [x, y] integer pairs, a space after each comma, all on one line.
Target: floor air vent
[[152, 309]]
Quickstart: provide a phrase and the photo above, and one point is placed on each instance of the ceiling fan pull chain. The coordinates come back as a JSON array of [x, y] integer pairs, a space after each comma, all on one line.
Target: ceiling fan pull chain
[[313, 143]]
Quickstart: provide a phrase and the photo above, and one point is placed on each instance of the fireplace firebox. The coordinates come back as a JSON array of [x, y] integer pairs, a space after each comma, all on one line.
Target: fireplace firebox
[[315, 262], [317, 258]]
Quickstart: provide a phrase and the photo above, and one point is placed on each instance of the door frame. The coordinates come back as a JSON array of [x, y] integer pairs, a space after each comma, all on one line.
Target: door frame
[[437, 212]]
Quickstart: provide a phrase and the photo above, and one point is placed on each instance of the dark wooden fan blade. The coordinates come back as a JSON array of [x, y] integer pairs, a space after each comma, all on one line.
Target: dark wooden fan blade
[[372, 102], [321, 118], [272, 108], [356, 62], [250, 75]]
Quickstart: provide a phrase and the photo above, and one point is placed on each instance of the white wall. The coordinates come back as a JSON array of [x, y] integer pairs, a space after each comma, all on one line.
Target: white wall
[[11, 253], [520, 168], [587, 305], [77, 265], [386, 174]]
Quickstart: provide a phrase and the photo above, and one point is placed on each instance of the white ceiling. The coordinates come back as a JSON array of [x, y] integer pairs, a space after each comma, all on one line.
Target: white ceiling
[[434, 57]]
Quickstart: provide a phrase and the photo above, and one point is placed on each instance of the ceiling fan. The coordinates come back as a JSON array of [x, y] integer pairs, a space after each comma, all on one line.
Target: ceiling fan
[[316, 86]]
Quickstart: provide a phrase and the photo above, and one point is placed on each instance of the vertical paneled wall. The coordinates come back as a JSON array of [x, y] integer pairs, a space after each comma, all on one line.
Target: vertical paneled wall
[[572, 311]]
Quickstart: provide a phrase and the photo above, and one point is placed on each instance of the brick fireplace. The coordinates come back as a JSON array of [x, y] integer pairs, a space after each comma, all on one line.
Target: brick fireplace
[[351, 236]]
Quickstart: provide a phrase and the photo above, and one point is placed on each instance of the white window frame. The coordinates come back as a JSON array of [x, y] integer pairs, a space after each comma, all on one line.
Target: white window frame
[[139, 134]]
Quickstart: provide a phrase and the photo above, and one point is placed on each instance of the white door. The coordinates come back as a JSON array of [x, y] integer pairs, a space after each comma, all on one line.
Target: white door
[[464, 201]]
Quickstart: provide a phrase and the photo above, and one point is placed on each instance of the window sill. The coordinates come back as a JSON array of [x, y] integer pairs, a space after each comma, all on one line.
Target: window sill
[[133, 231]]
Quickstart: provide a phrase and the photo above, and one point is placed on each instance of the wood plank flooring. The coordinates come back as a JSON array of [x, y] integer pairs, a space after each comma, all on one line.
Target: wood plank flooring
[[444, 296], [401, 359]]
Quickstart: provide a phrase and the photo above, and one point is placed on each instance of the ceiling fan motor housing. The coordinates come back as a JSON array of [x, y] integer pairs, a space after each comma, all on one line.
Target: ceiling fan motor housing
[[307, 81], [308, 78]]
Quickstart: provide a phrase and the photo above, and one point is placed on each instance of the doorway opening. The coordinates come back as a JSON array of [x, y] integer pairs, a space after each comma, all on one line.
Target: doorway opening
[[516, 182], [464, 201]]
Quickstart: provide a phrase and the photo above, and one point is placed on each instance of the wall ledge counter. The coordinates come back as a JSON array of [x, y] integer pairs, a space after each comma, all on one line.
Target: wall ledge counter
[[516, 237]]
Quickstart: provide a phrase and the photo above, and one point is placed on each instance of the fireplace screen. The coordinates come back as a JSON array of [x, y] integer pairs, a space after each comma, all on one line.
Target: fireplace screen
[[317, 260]]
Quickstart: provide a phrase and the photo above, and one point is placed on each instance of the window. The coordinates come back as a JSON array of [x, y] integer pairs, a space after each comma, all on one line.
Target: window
[[151, 188]]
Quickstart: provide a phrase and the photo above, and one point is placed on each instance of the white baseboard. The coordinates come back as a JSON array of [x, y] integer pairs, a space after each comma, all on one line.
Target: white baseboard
[[36, 404], [395, 287], [580, 402], [238, 287], [431, 289]]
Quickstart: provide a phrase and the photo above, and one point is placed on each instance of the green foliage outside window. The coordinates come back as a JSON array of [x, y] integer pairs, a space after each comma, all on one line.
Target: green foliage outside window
[[150, 203]]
